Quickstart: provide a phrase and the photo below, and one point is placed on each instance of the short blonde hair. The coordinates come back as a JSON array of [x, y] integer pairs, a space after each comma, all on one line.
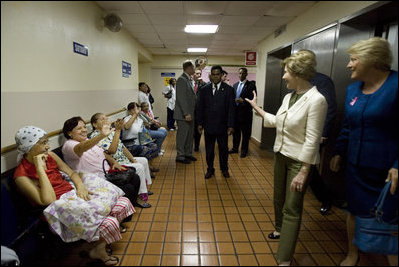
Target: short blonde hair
[[301, 64], [375, 52]]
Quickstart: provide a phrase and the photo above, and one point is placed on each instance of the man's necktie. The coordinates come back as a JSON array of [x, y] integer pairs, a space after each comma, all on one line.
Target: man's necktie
[[239, 91]]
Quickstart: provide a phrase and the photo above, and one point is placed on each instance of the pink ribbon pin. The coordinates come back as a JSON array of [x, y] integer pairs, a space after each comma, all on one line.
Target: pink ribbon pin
[[353, 101]]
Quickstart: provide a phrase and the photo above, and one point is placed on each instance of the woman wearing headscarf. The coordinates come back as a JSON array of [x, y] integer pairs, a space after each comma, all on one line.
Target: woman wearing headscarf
[[88, 208]]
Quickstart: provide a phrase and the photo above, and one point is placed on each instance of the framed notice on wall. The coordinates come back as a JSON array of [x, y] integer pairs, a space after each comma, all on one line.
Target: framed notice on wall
[[250, 58], [126, 69]]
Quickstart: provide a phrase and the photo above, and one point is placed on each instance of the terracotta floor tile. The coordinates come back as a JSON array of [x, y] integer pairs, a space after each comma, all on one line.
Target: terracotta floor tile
[[228, 260], [206, 237], [172, 248], [190, 226], [261, 247], [170, 260], [205, 226], [143, 226], [223, 237], [243, 248], [266, 260], [190, 248], [208, 248], [151, 260], [135, 248], [207, 260], [220, 226], [131, 260], [247, 260], [173, 236], [225, 248], [153, 248], [139, 237], [156, 237], [189, 260], [174, 226], [323, 259], [239, 236], [190, 236]]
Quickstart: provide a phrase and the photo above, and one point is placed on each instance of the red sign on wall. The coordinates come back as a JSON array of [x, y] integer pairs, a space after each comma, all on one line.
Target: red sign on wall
[[250, 58]]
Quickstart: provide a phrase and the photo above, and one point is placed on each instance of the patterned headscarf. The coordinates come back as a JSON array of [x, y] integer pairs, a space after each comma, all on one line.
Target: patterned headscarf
[[26, 138]]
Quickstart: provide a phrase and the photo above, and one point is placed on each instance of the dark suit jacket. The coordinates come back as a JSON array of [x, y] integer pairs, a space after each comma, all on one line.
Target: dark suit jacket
[[326, 87], [185, 98], [244, 110], [216, 112]]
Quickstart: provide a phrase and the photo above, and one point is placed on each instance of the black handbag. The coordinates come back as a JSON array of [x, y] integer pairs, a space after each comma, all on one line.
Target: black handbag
[[119, 178], [374, 235]]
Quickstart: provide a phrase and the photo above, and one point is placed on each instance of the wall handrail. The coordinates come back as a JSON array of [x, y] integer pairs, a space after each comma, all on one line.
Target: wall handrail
[[12, 147]]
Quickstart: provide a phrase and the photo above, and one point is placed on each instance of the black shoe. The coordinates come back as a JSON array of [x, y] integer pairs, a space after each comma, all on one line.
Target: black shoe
[[325, 208], [243, 155], [152, 175], [209, 174], [233, 151], [226, 174], [153, 169], [191, 158], [185, 161], [273, 236], [150, 193]]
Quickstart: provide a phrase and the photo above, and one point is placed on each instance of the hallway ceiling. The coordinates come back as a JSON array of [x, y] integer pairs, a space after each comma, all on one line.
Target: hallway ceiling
[[159, 25]]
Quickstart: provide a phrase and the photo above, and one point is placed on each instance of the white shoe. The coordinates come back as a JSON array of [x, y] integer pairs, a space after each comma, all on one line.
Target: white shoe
[[285, 263], [163, 151], [160, 153]]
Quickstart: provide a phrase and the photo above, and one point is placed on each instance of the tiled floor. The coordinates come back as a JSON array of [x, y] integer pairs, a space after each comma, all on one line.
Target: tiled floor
[[221, 221]]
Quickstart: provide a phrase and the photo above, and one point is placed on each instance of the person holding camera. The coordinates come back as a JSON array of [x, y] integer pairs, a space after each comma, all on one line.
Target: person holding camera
[[170, 94]]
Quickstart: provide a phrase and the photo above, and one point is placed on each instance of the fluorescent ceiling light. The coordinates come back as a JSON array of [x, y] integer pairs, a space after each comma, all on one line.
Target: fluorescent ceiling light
[[201, 28], [197, 50]]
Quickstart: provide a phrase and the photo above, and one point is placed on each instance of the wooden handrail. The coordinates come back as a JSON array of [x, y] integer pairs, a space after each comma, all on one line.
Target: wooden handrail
[[50, 134]]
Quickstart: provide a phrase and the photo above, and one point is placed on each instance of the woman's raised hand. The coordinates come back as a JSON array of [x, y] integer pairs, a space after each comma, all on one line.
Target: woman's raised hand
[[40, 160], [253, 102], [106, 128], [119, 124]]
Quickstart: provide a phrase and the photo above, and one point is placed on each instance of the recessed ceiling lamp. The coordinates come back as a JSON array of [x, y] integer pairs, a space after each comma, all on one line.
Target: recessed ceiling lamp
[[201, 28], [197, 50]]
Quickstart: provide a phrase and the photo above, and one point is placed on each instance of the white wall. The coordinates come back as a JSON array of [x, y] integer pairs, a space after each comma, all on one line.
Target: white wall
[[321, 14], [44, 82]]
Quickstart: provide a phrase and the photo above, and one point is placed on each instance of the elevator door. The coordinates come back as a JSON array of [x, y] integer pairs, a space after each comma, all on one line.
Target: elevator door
[[322, 44]]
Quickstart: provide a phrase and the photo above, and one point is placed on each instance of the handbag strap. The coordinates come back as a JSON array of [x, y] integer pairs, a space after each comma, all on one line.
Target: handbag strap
[[380, 201], [104, 166]]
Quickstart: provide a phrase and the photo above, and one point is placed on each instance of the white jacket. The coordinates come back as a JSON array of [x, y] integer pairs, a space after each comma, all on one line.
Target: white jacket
[[299, 128]]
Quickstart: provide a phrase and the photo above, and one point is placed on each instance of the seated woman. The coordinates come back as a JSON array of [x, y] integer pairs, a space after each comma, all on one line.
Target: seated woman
[[91, 210], [153, 126], [113, 146], [83, 154], [130, 135]]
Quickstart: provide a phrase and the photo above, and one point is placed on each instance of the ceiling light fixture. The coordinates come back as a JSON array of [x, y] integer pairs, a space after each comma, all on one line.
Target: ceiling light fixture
[[198, 50], [201, 28]]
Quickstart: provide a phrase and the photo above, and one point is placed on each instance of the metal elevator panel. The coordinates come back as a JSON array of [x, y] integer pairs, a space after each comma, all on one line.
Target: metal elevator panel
[[274, 89], [322, 44]]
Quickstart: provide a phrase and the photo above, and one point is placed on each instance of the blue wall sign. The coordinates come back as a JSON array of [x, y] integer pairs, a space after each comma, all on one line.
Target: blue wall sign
[[126, 69], [80, 49], [168, 74]]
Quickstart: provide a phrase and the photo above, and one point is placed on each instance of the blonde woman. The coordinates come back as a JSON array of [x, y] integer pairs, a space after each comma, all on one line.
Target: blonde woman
[[369, 135], [299, 124]]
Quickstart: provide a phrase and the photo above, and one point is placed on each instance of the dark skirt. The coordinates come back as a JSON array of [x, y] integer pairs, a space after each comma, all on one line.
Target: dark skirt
[[363, 186]]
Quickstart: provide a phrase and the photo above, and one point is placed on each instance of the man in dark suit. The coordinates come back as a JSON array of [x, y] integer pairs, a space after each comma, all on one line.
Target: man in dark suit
[[243, 119], [198, 83], [215, 112], [184, 114]]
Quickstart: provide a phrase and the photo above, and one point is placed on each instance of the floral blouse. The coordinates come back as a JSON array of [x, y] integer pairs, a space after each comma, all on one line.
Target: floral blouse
[[105, 143]]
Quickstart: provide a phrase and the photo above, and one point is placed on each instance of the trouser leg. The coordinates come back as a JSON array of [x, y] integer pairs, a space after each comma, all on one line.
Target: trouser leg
[[210, 150], [223, 151]]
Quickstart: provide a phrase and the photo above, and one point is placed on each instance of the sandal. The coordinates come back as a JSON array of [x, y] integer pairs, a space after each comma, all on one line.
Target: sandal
[[143, 205], [122, 228], [108, 249], [113, 260]]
